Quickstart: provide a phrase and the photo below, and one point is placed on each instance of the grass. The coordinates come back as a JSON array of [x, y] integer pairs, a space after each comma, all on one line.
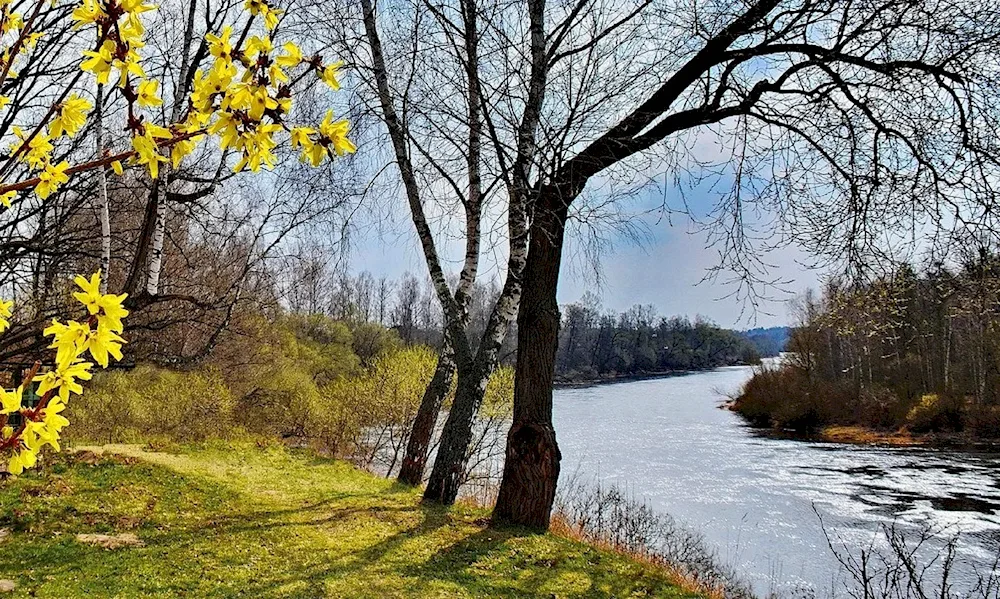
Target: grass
[[242, 521]]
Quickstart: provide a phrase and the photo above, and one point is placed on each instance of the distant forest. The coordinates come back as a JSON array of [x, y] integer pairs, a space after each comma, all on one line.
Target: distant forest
[[595, 345], [916, 349]]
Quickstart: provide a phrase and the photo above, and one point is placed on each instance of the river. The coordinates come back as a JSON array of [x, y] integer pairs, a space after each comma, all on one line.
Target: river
[[755, 499]]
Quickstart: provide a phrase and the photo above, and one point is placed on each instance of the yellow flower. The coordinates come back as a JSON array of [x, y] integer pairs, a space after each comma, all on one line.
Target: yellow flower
[[4, 101], [5, 314], [335, 133], [89, 11], [259, 7], [129, 66], [51, 178], [31, 41], [21, 461], [99, 63], [260, 101], [7, 198], [311, 151], [292, 56], [68, 339], [101, 342], [64, 379], [112, 312], [147, 152], [147, 95], [118, 168], [13, 22], [276, 74], [135, 6], [329, 75], [258, 45], [257, 146], [39, 148], [90, 297], [10, 401], [180, 150], [229, 127], [72, 116], [218, 45]]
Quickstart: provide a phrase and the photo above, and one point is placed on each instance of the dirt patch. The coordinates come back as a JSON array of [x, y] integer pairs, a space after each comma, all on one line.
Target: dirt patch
[[111, 541], [7, 586]]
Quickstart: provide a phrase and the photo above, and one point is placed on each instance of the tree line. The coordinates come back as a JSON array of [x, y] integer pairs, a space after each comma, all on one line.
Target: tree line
[[915, 348], [595, 345]]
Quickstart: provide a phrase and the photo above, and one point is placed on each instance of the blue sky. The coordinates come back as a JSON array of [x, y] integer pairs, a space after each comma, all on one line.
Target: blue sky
[[666, 270]]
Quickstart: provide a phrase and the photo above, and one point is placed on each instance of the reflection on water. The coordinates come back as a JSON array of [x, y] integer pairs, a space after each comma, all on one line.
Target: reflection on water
[[756, 499]]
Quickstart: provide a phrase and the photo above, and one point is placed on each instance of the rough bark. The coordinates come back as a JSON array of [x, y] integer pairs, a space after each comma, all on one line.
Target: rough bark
[[452, 457], [411, 472], [531, 468]]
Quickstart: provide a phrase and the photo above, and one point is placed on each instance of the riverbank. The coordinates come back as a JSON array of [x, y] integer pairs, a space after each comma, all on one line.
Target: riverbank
[[229, 520], [859, 435]]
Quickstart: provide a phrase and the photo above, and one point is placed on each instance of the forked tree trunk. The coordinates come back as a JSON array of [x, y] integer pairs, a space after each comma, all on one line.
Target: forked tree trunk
[[531, 467], [415, 460], [453, 451]]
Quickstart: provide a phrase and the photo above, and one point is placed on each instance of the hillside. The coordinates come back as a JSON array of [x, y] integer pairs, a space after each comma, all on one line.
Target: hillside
[[240, 521]]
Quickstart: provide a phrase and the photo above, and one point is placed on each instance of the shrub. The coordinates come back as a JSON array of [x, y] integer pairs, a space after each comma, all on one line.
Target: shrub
[[149, 401], [934, 412]]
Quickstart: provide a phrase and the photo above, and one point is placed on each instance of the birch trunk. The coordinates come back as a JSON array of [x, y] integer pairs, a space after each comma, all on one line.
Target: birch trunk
[[103, 211], [159, 232]]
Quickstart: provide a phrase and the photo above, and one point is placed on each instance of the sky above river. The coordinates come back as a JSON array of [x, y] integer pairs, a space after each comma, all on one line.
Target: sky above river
[[665, 267]]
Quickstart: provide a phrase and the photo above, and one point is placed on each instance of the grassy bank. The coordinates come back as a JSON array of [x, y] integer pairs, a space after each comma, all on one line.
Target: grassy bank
[[241, 521]]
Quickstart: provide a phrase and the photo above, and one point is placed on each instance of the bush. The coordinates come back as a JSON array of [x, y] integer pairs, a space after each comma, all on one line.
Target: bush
[[149, 401], [934, 412], [984, 421]]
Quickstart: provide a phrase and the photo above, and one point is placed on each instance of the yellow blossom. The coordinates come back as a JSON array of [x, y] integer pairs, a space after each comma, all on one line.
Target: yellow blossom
[[329, 75], [147, 152], [101, 342], [218, 45], [65, 379], [99, 62], [10, 401], [335, 133], [7, 198], [292, 56], [87, 12], [90, 296], [72, 116], [5, 314], [147, 93], [21, 461], [51, 179], [68, 339]]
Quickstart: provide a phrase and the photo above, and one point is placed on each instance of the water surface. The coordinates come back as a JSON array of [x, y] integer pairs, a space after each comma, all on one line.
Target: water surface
[[756, 499]]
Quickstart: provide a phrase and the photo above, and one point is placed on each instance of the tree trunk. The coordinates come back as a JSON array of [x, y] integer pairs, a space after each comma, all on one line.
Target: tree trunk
[[531, 468], [415, 460], [448, 473], [104, 214], [159, 232]]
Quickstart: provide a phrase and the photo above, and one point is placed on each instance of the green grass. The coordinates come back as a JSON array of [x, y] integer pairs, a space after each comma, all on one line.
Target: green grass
[[239, 521]]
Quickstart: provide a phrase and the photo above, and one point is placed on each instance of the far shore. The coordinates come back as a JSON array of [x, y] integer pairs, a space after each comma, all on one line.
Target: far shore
[[573, 383]]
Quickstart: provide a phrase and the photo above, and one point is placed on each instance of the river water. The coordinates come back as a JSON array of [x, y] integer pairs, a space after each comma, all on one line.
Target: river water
[[756, 499]]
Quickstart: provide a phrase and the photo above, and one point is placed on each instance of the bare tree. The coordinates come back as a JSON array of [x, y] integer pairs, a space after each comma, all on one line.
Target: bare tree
[[850, 122]]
